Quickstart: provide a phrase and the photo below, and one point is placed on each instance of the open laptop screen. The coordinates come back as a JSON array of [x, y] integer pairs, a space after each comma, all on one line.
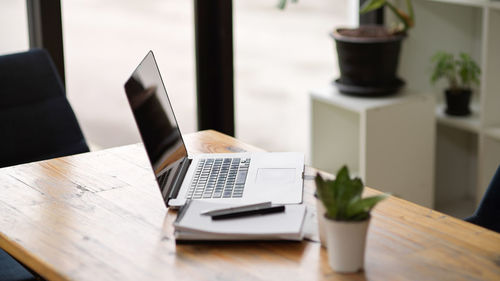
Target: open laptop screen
[[155, 119]]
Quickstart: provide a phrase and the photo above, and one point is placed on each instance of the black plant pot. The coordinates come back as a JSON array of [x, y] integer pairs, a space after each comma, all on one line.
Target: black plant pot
[[368, 65], [457, 102]]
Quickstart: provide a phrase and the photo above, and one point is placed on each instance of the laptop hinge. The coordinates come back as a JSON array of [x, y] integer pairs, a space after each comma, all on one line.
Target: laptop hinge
[[178, 179]]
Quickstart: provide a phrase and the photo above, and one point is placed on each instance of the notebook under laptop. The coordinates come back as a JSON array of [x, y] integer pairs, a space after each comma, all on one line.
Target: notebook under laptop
[[226, 178]]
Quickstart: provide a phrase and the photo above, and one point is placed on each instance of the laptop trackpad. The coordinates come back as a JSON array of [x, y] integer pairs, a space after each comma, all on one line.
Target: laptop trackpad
[[275, 176]]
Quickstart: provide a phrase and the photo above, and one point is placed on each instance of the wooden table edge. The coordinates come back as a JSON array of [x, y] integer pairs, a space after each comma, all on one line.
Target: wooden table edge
[[51, 273], [34, 263]]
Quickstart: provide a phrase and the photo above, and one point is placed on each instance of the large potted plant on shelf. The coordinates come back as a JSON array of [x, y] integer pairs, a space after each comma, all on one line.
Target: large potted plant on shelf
[[461, 74], [368, 55], [346, 219]]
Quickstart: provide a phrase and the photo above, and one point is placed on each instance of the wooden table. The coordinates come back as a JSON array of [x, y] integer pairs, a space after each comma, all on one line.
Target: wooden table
[[100, 216]]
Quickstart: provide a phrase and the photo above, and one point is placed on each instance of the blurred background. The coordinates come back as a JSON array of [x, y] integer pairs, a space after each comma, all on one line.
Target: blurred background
[[278, 57], [281, 59]]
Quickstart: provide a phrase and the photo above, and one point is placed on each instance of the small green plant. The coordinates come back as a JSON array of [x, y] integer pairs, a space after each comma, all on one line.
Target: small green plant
[[461, 73], [282, 3], [407, 19], [342, 197]]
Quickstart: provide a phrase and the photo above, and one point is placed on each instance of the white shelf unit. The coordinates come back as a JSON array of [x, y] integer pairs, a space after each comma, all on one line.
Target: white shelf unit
[[387, 141], [467, 148], [470, 123]]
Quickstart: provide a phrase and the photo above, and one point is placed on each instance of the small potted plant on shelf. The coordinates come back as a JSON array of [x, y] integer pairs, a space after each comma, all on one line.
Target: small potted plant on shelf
[[346, 219], [461, 74]]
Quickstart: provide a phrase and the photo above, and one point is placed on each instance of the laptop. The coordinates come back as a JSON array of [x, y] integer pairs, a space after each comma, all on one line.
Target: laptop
[[231, 178]]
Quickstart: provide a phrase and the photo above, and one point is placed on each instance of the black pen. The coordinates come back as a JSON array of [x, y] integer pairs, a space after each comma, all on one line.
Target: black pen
[[244, 213], [232, 209]]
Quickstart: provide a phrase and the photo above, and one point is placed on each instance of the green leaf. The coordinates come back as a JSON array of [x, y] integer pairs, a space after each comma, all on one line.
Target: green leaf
[[372, 5], [411, 14], [468, 70], [357, 186], [342, 174], [348, 191], [402, 16], [282, 4], [364, 206], [341, 186], [444, 67], [326, 193], [408, 19], [447, 67], [342, 197]]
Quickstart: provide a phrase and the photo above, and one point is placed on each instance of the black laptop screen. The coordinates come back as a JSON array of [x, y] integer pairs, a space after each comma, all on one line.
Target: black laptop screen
[[155, 119]]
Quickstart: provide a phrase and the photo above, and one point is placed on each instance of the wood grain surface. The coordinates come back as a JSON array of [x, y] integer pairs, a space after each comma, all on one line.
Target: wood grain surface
[[100, 216]]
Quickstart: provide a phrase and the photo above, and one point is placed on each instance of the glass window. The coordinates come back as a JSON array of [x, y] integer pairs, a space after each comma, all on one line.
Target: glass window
[[13, 27], [105, 41], [279, 57]]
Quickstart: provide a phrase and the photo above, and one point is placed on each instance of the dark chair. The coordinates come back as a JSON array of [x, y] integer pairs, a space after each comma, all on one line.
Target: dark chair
[[36, 123], [11, 270], [36, 120], [487, 214]]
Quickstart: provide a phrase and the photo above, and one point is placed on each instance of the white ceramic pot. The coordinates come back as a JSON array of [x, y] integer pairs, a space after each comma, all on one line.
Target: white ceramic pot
[[320, 214], [346, 244]]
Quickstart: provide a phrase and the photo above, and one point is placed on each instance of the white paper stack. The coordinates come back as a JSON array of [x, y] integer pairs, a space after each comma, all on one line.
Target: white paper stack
[[191, 225]]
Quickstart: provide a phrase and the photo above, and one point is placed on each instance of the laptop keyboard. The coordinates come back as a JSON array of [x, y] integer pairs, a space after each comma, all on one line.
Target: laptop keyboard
[[219, 178]]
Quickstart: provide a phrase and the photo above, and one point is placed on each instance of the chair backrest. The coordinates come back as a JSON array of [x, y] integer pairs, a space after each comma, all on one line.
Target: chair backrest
[[36, 119], [488, 213]]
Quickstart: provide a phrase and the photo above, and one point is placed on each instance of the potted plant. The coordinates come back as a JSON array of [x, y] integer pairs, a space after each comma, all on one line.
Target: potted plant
[[461, 74], [346, 219], [368, 56], [320, 215]]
